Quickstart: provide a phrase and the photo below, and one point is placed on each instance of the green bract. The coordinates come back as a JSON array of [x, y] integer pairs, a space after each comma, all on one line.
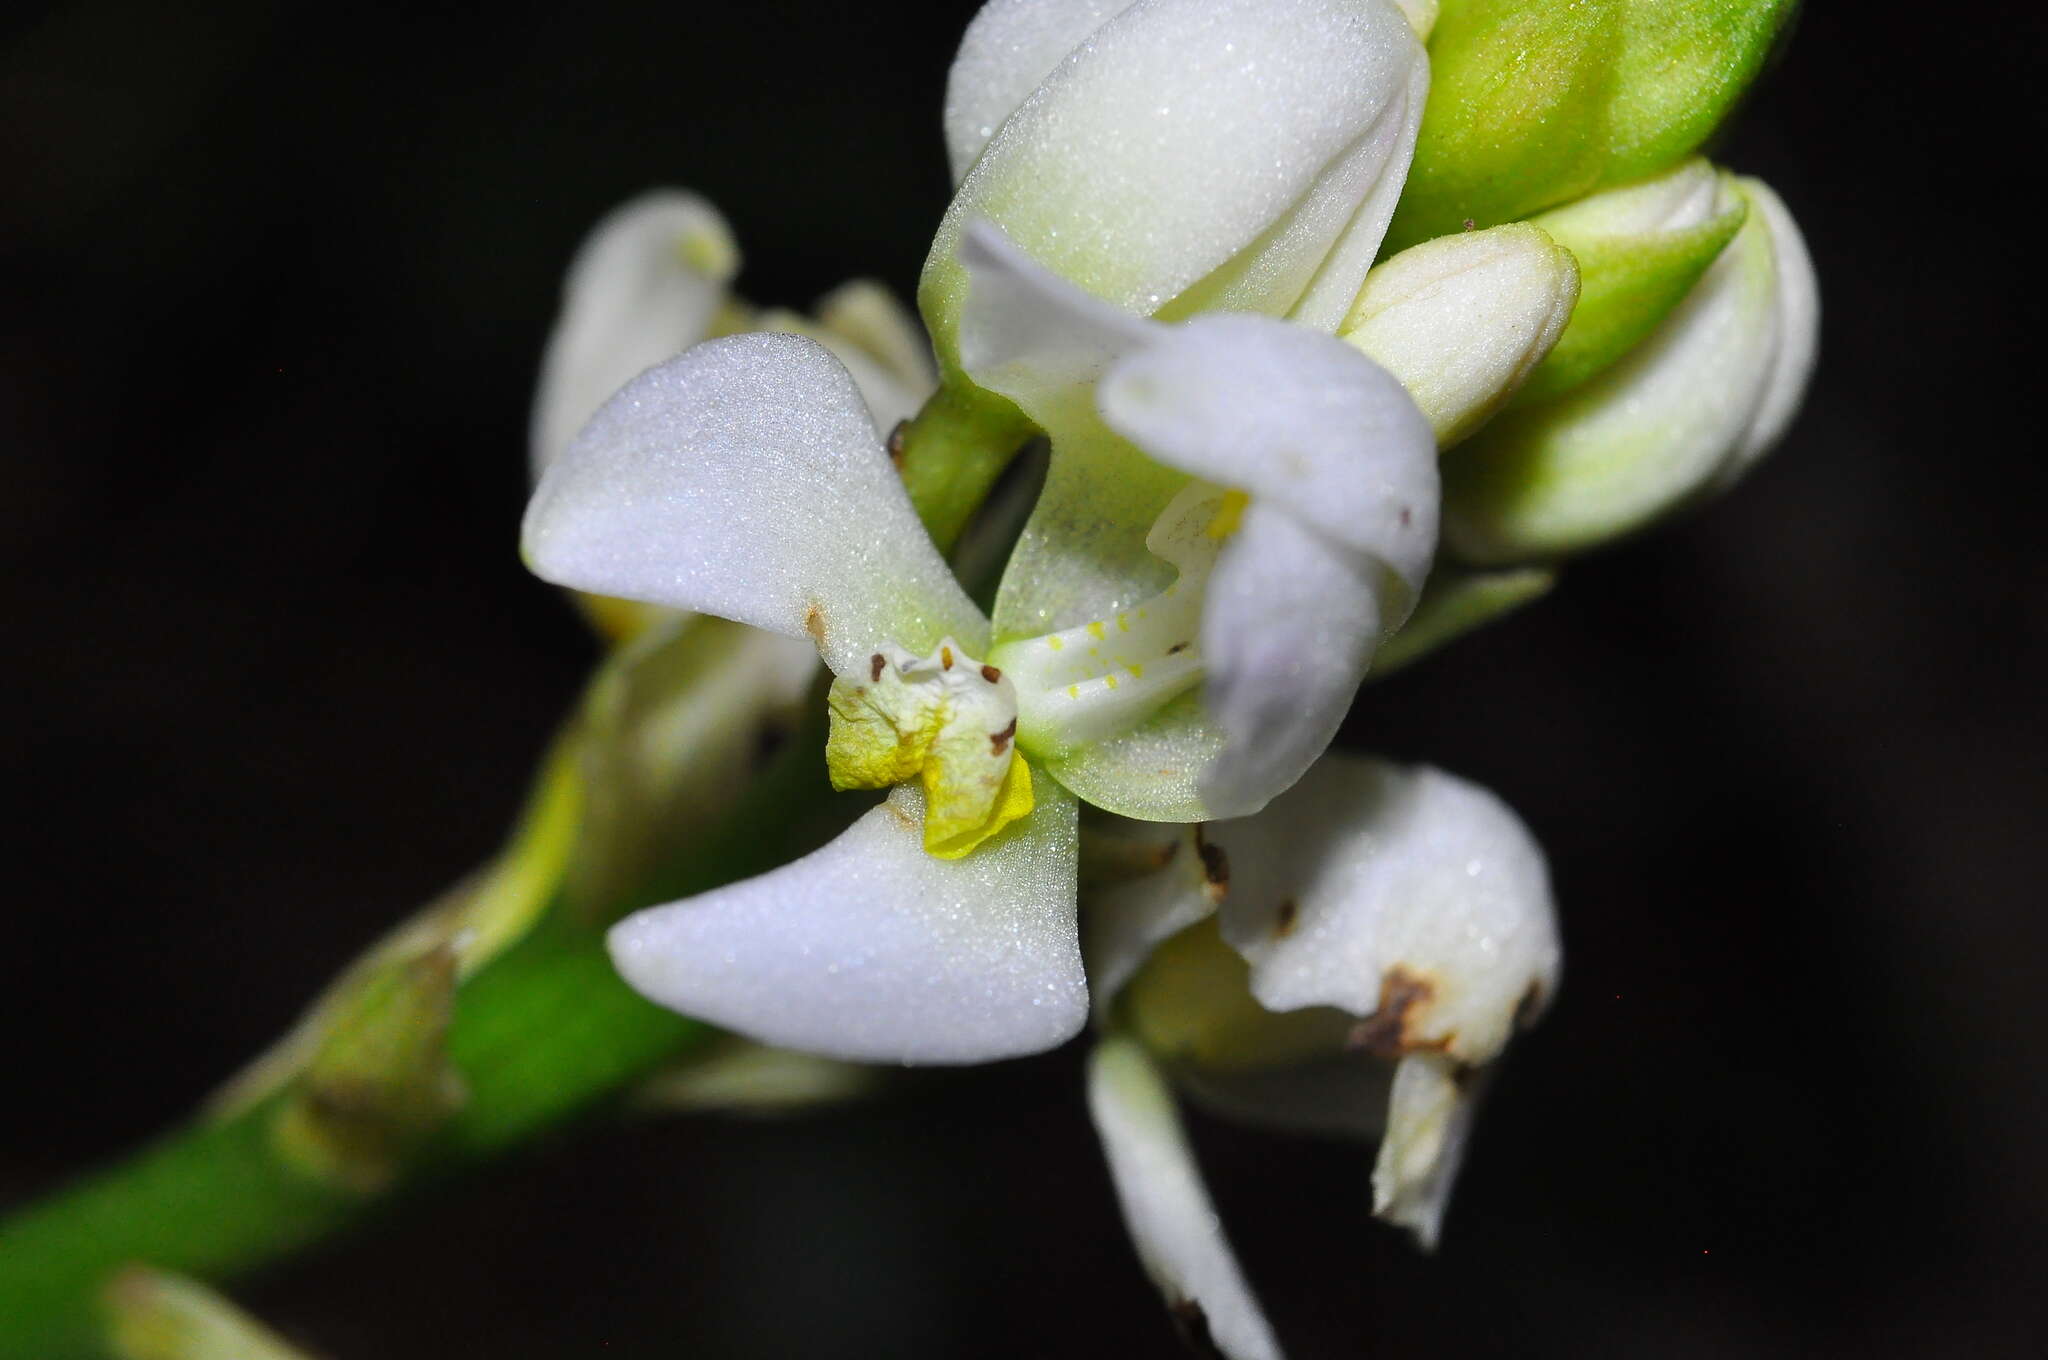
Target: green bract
[[1535, 102]]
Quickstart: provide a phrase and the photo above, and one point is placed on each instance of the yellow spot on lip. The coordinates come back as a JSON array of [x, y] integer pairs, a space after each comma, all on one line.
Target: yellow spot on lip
[[1137, 670], [1229, 515], [1109, 680], [1095, 630], [1123, 623], [1057, 644], [1073, 691]]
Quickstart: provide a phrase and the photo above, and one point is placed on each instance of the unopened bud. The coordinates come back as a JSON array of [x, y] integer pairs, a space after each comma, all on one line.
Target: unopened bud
[[1463, 320], [1537, 102], [1682, 414], [380, 1082]]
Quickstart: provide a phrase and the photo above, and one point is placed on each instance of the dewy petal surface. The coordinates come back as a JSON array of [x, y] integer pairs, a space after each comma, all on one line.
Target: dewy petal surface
[[644, 286], [1404, 895], [1166, 1207], [1009, 47], [746, 479], [870, 949]]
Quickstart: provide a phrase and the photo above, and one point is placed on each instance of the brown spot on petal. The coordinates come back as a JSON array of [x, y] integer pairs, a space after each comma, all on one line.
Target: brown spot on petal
[[1191, 1324], [1407, 517], [814, 623], [1285, 916], [999, 742], [1389, 1032], [899, 437], [945, 658], [1215, 867], [1176, 647], [991, 674], [875, 664]]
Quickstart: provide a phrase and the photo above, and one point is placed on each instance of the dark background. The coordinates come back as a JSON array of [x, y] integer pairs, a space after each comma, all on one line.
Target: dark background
[[274, 283]]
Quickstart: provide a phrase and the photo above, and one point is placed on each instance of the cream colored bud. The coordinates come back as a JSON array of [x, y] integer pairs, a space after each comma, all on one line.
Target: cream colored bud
[[1462, 320]]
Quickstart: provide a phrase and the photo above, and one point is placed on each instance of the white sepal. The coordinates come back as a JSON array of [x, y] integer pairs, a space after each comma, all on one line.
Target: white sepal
[[872, 950], [1166, 1208], [746, 479], [644, 286]]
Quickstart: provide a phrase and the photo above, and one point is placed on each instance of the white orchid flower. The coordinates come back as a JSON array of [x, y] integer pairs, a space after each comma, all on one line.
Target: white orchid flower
[[1348, 961], [1178, 156], [1680, 416], [747, 479]]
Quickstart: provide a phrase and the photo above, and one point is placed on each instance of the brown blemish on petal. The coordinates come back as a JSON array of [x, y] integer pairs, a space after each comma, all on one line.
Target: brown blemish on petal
[[1215, 867], [1284, 918], [900, 815], [945, 658], [814, 623], [1191, 1324], [899, 437], [999, 742], [1389, 1031], [1176, 647], [991, 674], [1407, 517], [875, 664]]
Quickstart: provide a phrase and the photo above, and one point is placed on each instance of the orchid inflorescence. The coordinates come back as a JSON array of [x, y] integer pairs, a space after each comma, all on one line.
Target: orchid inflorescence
[[1283, 457]]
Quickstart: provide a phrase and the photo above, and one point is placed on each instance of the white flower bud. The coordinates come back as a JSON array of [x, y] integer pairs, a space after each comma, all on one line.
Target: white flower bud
[[1680, 415], [1461, 320], [1186, 155]]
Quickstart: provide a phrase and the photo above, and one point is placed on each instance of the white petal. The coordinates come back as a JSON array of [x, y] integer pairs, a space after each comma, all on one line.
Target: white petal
[[1798, 328], [1009, 48], [1297, 419], [1400, 894], [1429, 1119], [1166, 1207], [867, 314], [889, 399], [1288, 631], [745, 479], [644, 287], [870, 949], [1152, 772], [1185, 133]]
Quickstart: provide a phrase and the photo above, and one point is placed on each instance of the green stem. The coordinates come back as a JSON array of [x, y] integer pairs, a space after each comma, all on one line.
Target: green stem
[[952, 453], [540, 1033]]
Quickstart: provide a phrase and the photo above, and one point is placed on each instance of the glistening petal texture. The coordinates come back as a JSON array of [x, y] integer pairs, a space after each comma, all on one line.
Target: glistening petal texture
[[1166, 1207], [1401, 894], [1181, 134], [644, 287], [872, 950], [1010, 47], [1297, 419], [745, 479], [1288, 631]]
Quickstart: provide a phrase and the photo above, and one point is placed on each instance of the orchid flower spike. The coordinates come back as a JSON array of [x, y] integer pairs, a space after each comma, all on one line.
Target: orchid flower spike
[[1349, 961], [1177, 156], [1190, 644]]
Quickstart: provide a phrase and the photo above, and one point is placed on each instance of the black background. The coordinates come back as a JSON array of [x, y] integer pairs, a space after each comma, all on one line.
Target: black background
[[274, 283]]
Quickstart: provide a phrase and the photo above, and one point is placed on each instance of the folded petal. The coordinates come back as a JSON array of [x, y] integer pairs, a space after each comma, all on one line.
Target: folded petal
[[1405, 896], [870, 949], [746, 479], [1293, 417], [1798, 328], [645, 286], [1287, 634], [1166, 1208]]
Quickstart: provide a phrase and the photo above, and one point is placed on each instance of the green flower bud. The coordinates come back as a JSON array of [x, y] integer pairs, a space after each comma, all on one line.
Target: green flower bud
[[1640, 251], [1533, 103], [1680, 416]]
